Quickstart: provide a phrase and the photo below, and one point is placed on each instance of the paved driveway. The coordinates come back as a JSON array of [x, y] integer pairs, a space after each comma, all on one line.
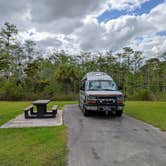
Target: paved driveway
[[103, 141]]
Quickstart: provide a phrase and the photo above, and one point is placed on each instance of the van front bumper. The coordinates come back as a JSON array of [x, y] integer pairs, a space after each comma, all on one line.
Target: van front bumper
[[101, 108]]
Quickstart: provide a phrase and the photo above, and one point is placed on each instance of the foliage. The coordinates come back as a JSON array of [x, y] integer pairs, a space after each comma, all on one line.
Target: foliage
[[7, 35], [29, 76], [4, 60], [143, 94], [10, 90]]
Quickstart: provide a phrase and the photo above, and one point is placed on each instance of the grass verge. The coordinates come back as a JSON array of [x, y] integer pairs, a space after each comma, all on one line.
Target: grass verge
[[31, 146], [153, 113]]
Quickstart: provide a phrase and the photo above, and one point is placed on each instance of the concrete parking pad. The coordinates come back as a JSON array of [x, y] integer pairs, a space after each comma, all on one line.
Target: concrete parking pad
[[20, 122]]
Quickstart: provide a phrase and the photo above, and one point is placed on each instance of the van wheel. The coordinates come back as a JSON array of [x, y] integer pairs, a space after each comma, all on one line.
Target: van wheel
[[85, 111], [119, 113]]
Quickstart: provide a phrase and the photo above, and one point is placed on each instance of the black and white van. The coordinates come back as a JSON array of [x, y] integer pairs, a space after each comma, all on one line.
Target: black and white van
[[98, 92]]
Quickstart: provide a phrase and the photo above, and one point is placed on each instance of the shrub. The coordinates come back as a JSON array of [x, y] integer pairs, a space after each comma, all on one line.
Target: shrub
[[11, 91], [143, 94]]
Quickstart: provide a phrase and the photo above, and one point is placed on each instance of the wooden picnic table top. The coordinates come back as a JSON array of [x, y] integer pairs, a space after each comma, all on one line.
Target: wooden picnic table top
[[37, 102]]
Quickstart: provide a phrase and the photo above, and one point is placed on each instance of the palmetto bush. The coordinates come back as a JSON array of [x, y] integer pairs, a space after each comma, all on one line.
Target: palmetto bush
[[144, 94]]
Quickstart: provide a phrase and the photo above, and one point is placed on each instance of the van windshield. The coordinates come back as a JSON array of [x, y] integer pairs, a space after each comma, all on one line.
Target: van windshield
[[101, 85]]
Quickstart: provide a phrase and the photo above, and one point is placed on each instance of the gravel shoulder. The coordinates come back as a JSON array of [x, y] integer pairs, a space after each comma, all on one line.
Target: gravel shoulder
[[111, 141]]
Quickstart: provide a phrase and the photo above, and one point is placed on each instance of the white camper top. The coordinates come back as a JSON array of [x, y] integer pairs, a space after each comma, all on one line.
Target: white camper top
[[97, 76]]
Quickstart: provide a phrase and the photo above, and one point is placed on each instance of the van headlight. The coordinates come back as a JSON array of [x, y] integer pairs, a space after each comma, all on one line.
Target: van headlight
[[91, 100], [91, 97], [120, 97]]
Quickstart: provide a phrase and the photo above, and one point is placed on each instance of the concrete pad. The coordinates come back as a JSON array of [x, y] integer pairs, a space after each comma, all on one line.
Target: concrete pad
[[21, 122]]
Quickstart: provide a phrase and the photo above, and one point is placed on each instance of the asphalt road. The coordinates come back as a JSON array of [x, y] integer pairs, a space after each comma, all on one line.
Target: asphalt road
[[103, 141]]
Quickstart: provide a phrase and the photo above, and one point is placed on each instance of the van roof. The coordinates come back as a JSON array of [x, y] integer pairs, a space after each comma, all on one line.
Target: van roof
[[97, 76]]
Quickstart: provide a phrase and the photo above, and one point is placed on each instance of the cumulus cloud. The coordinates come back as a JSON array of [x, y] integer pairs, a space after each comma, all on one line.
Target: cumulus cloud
[[8, 9], [72, 25], [151, 45], [118, 33], [50, 42], [114, 34], [61, 16], [15, 11], [63, 25], [157, 17], [46, 11]]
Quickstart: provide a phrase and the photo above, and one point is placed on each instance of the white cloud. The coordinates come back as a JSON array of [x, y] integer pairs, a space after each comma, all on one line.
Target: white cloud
[[151, 45], [47, 11], [15, 11], [157, 17], [118, 33], [72, 25]]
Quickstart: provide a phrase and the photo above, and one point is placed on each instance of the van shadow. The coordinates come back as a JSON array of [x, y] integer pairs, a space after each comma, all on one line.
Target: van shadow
[[104, 116]]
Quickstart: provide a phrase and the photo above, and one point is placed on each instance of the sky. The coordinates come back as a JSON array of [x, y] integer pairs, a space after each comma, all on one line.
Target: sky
[[90, 25]]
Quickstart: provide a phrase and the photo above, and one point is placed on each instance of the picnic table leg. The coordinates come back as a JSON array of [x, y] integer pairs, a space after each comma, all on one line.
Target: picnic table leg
[[32, 112], [26, 115], [41, 110]]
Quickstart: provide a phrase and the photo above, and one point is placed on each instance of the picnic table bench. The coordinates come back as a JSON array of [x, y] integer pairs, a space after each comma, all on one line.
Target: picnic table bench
[[41, 112]]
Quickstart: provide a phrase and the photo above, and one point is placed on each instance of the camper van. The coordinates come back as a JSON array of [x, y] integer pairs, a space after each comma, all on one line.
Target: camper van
[[99, 93]]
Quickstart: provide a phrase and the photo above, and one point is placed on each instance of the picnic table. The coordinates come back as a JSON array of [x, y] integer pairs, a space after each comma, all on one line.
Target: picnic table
[[41, 112]]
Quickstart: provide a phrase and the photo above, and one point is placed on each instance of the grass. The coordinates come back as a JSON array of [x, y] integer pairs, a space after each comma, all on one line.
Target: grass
[[47, 146], [9, 110], [153, 113], [31, 146]]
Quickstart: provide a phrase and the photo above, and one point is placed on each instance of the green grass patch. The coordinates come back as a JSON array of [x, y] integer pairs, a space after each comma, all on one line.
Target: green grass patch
[[9, 110], [31, 146], [153, 113]]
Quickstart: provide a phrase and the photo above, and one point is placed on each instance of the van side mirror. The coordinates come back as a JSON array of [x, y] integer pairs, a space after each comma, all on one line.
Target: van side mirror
[[82, 86]]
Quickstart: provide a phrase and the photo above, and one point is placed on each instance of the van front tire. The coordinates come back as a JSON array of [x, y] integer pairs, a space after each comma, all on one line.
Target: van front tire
[[119, 113], [85, 111]]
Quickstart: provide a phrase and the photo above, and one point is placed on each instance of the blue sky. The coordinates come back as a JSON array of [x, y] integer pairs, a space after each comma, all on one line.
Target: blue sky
[[145, 8], [161, 33]]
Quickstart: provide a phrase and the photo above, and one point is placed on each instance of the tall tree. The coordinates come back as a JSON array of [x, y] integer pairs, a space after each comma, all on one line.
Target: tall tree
[[7, 36], [4, 60], [29, 47]]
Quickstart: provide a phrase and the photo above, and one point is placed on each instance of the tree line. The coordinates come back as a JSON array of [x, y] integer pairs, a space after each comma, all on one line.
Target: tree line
[[25, 74]]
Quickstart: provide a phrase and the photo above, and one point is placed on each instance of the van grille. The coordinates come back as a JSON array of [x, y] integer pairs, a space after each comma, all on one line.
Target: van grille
[[106, 100]]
